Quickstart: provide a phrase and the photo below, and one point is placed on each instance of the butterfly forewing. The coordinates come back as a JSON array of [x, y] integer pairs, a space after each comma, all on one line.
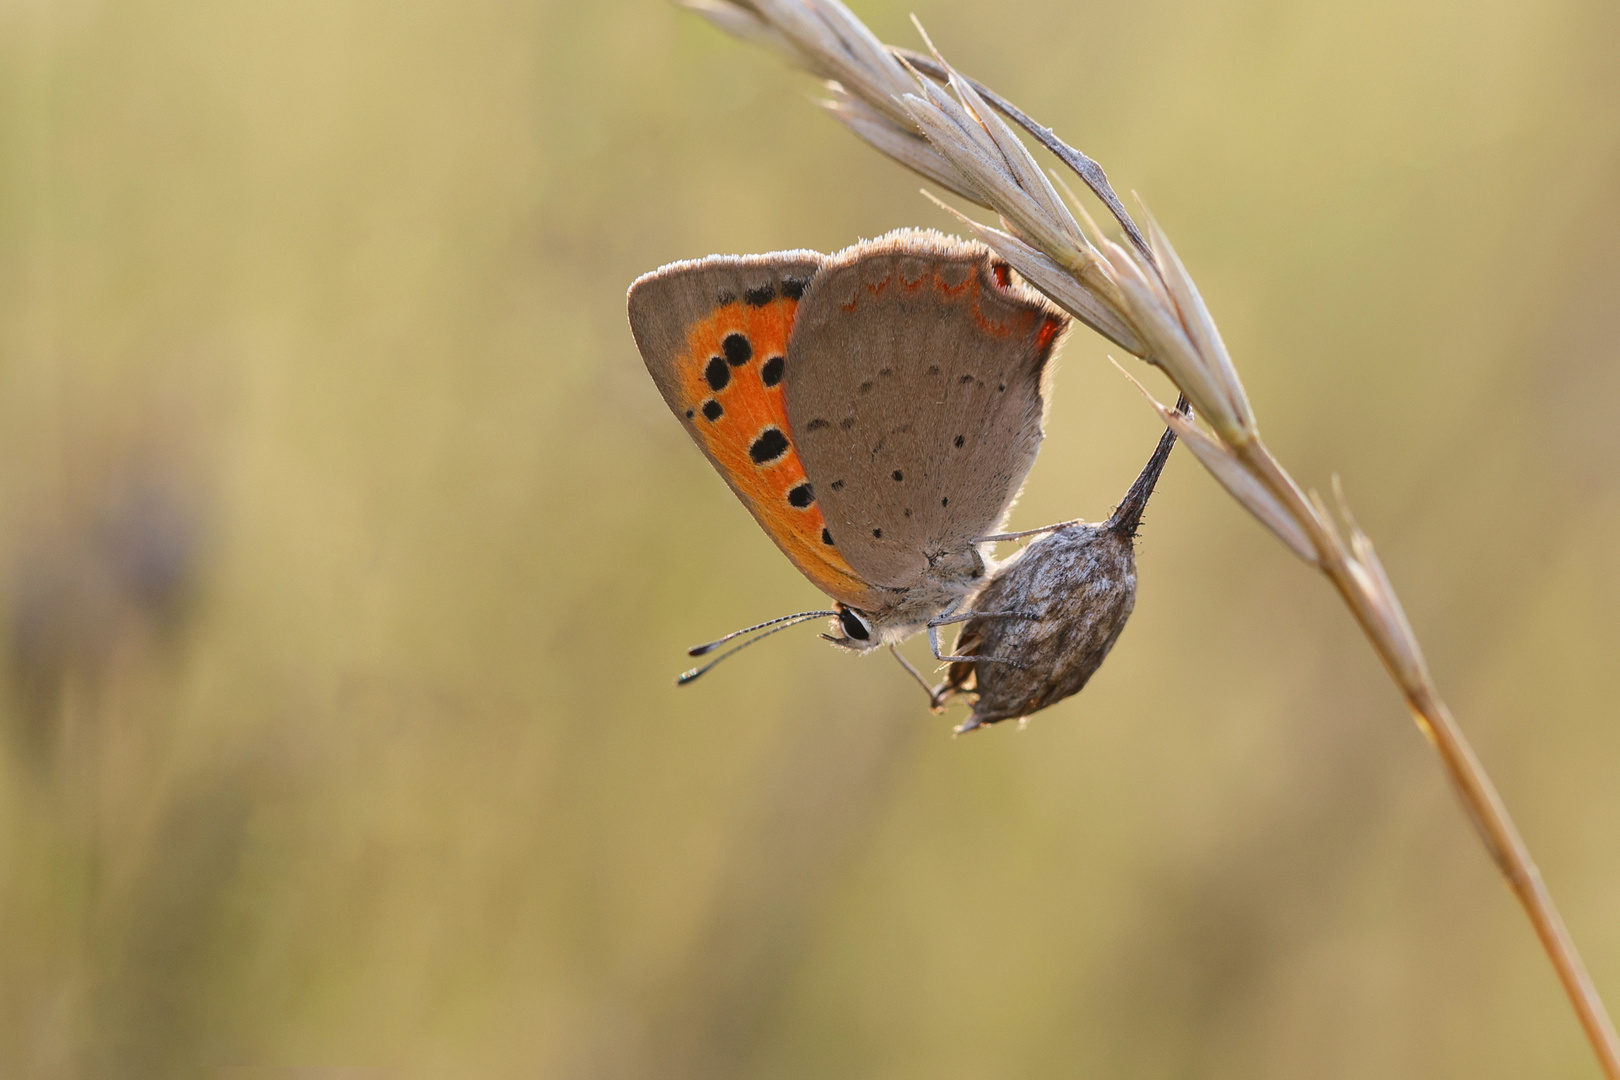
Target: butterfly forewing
[[714, 334], [914, 384]]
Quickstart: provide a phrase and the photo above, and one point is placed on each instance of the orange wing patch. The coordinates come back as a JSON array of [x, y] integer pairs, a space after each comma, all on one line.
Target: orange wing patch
[[730, 378]]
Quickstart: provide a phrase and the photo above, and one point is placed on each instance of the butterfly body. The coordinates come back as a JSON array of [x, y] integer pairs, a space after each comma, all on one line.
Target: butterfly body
[[876, 410]]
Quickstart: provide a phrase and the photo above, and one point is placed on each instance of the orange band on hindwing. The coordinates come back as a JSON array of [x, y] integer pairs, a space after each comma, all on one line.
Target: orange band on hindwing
[[731, 378]]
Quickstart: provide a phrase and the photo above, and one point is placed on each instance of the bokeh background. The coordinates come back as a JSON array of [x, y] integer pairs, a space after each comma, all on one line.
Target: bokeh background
[[347, 555]]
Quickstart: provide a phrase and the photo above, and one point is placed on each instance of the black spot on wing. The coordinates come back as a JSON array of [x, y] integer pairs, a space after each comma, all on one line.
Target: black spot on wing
[[712, 410], [770, 445], [689, 413], [771, 372], [959, 442], [898, 475], [717, 374], [847, 422], [793, 288], [817, 424], [837, 485], [759, 297], [826, 537], [738, 351], [877, 534], [802, 496]]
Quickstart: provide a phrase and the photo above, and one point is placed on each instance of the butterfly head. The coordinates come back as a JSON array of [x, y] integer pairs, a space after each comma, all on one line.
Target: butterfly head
[[854, 630]]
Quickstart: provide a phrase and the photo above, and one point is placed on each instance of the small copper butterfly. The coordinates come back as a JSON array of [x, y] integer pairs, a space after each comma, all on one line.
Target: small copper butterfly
[[876, 410]]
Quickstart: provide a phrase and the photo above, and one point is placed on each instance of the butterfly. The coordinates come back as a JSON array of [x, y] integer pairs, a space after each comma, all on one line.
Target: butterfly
[[876, 410]]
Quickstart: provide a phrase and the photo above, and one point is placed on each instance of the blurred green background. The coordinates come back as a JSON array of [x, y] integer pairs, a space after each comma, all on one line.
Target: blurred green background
[[347, 555]]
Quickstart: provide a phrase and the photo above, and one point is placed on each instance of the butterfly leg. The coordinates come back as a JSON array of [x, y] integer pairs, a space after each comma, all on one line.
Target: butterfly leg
[[946, 620], [997, 537], [934, 695], [933, 644]]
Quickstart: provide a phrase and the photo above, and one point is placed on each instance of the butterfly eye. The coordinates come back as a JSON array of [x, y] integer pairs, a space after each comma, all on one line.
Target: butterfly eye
[[853, 624]]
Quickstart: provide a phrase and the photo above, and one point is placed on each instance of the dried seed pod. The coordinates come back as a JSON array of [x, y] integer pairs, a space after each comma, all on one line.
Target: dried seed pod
[[1066, 598], [1052, 612]]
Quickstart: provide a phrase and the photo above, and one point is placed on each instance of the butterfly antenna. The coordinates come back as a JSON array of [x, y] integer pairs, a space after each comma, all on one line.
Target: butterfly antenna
[[786, 621], [704, 650]]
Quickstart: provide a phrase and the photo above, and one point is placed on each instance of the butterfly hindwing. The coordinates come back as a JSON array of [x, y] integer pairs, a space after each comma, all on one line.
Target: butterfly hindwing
[[714, 335], [915, 384]]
